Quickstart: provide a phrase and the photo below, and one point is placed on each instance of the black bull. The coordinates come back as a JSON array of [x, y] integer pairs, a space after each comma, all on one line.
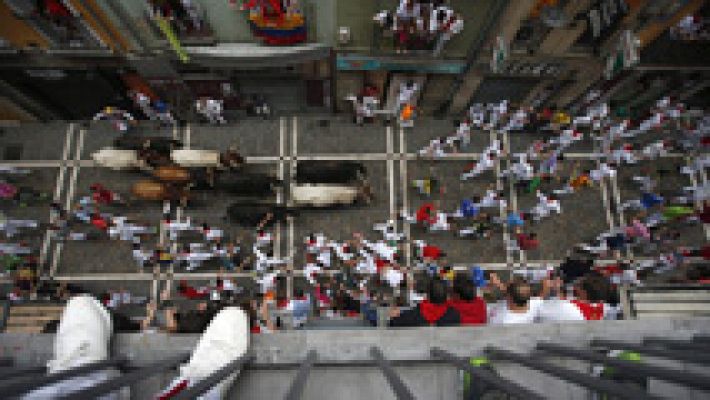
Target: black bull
[[333, 172], [251, 214], [158, 144], [235, 183]]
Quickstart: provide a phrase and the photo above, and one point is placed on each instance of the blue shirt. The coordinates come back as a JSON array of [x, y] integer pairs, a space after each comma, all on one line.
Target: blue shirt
[[469, 208], [515, 220], [649, 200]]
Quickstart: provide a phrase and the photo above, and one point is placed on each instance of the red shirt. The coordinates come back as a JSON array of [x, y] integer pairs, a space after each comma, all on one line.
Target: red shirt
[[472, 312], [527, 243], [191, 293], [380, 263], [426, 214], [99, 223], [431, 252], [103, 196]]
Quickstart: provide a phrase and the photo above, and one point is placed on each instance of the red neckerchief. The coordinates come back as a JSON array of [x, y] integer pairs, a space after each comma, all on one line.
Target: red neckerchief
[[591, 312], [448, 24]]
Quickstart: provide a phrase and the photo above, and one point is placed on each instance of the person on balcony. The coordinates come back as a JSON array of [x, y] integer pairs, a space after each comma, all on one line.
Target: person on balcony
[[591, 304], [520, 307], [471, 308], [434, 310]]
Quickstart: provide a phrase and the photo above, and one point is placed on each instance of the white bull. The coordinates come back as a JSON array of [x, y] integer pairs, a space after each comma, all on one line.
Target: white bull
[[196, 158], [118, 158], [322, 195]]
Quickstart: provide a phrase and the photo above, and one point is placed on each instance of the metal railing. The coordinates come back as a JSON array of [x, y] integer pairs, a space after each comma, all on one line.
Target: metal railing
[[486, 376], [211, 381], [128, 378], [299, 382], [17, 386], [24, 380], [590, 382], [655, 351], [398, 387], [631, 368]]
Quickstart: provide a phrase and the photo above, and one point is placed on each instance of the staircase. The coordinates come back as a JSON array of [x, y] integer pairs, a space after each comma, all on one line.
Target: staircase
[[31, 318]]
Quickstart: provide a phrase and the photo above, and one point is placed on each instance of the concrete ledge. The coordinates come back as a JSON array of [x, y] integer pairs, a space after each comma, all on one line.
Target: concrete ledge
[[289, 347], [356, 381]]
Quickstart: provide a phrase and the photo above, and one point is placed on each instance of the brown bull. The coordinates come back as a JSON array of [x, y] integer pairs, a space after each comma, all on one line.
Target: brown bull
[[172, 174], [158, 191]]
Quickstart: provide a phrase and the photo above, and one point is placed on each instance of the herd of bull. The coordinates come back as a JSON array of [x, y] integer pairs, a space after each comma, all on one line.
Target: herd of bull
[[176, 171]]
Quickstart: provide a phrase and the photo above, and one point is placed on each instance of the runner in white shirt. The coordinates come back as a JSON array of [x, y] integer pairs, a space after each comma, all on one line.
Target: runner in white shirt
[[406, 94], [394, 277]]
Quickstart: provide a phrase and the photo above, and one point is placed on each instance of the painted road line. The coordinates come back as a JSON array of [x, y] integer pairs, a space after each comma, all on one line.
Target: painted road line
[[406, 228], [511, 189], [390, 170], [281, 174], [75, 171], [620, 210], [603, 188], [404, 181], [289, 220], [499, 189], [62, 169], [55, 259], [188, 136], [174, 251], [58, 188], [69, 198], [605, 201]]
